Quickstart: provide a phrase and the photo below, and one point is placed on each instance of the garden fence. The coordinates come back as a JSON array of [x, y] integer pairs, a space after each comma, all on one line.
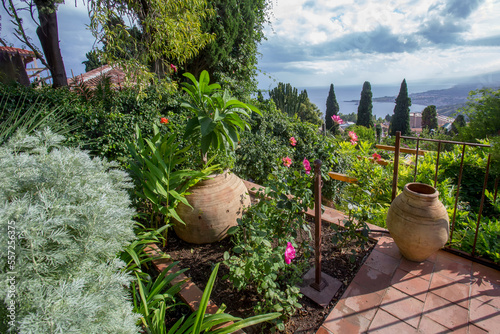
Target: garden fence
[[473, 256]]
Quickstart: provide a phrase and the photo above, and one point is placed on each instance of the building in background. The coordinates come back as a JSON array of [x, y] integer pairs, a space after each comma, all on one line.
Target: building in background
[[14, 66], [416, 121]]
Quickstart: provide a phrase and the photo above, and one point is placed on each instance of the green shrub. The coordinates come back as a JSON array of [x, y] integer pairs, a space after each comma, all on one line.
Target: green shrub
[[105, 120], [262, 236], [261, 151], [65, 218], [363, 133]]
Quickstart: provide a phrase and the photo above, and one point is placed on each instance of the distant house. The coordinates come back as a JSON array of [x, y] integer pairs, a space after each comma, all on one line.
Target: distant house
[[92, 78], [345, 125], [416, 121], [14, 66]]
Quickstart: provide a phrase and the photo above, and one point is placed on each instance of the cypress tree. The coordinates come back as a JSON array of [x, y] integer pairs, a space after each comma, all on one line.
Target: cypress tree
[[332, 108], [378, 130], [365, 107], [429, 118], [401, 118], [457, 124]]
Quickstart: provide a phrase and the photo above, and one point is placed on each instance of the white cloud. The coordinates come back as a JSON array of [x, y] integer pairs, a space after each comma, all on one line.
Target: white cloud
[[318, 41]]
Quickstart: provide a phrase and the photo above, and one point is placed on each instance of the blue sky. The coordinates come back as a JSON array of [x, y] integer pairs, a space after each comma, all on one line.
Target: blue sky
[[318, 42]]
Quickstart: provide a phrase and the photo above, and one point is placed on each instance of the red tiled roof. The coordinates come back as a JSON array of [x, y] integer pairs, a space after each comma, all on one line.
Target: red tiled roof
[[22, 52], [93, 77]]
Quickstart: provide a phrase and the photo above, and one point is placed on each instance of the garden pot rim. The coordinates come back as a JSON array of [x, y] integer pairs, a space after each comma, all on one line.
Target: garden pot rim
[[421, 190]]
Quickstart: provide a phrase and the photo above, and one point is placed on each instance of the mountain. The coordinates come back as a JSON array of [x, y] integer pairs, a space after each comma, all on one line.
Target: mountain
[[447, 101]]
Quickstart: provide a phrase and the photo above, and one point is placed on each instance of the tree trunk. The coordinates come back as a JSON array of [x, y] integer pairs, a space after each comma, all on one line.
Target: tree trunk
[[49, 39]]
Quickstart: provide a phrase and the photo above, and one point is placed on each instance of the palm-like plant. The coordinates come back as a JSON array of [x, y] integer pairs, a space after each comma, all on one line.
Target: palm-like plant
[[218, 118], [153, 166]]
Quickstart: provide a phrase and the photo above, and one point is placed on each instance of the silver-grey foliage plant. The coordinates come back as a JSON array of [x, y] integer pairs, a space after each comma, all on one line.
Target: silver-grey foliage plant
[[71, 215]]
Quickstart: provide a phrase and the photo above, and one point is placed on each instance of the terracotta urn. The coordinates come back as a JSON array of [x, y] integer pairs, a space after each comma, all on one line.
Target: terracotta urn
[[217, 204], [418, 222]]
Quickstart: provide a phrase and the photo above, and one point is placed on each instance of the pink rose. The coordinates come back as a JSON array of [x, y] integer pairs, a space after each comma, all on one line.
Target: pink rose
[[337, 119], [287, 162], [354, 137], [289, 253], [307, 166]]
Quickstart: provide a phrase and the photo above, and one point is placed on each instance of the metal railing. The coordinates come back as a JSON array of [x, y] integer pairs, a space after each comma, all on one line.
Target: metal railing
[[397, 145]]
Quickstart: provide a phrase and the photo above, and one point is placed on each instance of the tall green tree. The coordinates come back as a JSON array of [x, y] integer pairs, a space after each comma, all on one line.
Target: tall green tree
[[429, 118], [378, 131], [92, 61], [47, 32], [457, 124], [232, 57], [332, 108], [483, 111], [309, 112], [170, 34], [401, 118], [365, 117]]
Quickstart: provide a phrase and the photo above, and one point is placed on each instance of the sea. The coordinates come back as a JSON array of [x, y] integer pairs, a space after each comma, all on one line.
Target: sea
[[348, 97]]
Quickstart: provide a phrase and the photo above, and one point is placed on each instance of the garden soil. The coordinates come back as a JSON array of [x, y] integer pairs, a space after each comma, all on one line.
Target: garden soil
[[201, 259]]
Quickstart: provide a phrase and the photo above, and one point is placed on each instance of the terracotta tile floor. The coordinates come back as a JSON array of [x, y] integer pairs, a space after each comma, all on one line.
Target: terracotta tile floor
[[444, 294]]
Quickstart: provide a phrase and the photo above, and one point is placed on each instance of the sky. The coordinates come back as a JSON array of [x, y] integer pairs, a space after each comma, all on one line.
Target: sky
[[318, 42], [313, 43]]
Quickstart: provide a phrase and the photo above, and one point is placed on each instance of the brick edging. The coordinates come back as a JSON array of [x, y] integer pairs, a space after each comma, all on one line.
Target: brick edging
[[189, 293]]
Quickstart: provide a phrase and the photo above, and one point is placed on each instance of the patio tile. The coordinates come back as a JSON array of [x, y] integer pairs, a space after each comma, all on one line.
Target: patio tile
[[386, 323], [480, 271], [430, 326], [373, 279], [433, 257], [485, 316], [445, 312], [402, 306], [382, 262], [361, 300], [345, 320], [387, 246], [456, 258], [410, 284], [450, 290], [486, 292], [421, 269], [473, 329], [447, 265], [323, 330]]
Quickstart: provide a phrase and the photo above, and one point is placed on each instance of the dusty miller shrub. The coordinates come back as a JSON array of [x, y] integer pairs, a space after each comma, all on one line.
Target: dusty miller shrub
[[71, 215]]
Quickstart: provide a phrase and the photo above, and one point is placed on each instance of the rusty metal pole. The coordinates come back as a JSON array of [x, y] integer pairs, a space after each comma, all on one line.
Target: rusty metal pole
[[396, 165], [318, 284], [485, 185]]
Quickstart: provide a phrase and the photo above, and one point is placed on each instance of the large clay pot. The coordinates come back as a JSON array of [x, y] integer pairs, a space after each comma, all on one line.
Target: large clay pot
[[418, 222], [218, 202]]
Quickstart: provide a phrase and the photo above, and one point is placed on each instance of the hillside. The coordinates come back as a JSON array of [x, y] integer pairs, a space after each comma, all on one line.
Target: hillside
[[447, 101]]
